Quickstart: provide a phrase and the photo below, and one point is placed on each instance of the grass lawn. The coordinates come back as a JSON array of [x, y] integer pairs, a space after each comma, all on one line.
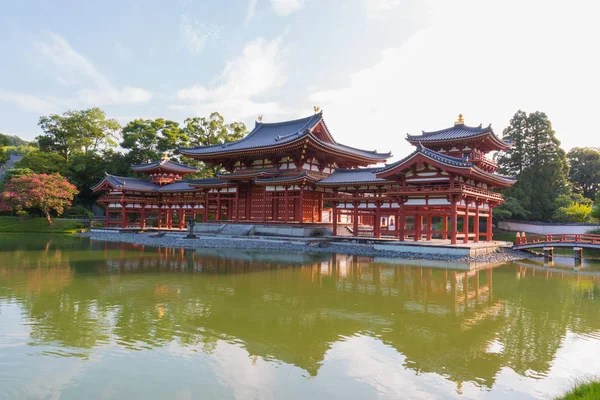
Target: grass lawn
[[504, 236], [583, 391], [38, 225]]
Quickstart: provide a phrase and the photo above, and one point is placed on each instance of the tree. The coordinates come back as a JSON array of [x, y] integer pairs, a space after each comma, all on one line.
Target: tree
[[147, 139], [49, 193], [7, 140], [584, 172], [44, 163], [77, 131], [209, 131], [84, 171], [574, 212], [539, 163], [15, 173]]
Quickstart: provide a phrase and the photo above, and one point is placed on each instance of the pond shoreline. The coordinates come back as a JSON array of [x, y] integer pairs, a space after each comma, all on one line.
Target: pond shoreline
[[290, 244]]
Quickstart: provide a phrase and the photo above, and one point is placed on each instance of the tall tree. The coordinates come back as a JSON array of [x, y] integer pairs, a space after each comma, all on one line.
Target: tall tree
[[584, 172], [77, 131], [43, 163], [538, 161], [147, 139], [49, 193], [209, 131]]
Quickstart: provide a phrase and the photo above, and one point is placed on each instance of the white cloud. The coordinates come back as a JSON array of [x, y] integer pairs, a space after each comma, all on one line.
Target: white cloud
[[283, 8], [258, 71], [467, 61], [382, 5], [74, 69], [251, 10], [28, 103], [195, 34]]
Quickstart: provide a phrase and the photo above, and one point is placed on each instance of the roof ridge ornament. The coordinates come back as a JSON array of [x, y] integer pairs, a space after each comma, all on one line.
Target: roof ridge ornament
[[460, 121], [165, 156], [316, 108], [259, 119]]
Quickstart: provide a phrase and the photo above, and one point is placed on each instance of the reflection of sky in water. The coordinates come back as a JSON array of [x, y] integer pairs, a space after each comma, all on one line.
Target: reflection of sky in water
[[120, 322]]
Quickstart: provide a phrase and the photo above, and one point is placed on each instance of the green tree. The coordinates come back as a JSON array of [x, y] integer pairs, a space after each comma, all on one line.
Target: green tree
[[84, 171], [147, 139], [209, 131], [539, 163], [77, 131], [584, 172], [574, 212], [43, 163]]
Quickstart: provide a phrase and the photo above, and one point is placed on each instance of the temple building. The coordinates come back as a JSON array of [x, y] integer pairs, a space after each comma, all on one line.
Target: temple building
[[294, 172]]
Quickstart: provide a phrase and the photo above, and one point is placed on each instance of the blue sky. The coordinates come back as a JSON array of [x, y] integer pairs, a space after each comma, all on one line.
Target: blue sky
[[378, 68]]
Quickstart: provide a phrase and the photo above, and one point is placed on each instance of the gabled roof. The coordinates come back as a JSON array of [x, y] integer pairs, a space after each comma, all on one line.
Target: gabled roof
[[126, 183], [272, 135], [181, 186], [462, 165], [209, 182], [351, 176], [288, 178], [459, 131], [165, 164]]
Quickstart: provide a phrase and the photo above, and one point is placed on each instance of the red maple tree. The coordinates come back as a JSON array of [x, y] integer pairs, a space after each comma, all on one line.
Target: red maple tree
[[47, 192]]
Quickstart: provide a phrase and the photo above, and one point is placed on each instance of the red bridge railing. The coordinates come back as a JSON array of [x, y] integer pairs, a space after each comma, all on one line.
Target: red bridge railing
[[523, 239]]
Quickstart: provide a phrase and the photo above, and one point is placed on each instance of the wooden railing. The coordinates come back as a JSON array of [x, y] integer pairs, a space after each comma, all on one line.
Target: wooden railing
[[523, 239]]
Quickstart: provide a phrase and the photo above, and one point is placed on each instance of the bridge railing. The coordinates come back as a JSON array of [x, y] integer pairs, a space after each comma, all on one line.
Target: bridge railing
[[522, 238]]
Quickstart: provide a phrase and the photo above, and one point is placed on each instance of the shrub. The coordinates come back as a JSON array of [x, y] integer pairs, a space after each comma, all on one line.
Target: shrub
[[575, 212], [78, 212]]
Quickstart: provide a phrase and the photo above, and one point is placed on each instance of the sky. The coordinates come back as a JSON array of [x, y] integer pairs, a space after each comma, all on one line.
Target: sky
[[378, 69]]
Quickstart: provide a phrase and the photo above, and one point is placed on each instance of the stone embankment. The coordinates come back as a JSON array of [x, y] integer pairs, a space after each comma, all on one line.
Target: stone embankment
[[300, 245]]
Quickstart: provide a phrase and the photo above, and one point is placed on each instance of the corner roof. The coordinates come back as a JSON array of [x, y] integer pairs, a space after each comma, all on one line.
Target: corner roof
[[351, 176], [268, 135], [123, 182], [165, 164], [457, 132]]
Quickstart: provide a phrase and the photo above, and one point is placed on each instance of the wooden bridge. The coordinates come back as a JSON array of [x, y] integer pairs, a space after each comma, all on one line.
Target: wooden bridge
[[549, 242]]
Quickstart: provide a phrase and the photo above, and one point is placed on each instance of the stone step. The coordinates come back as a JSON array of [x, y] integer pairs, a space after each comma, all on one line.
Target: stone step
[[236, 230]]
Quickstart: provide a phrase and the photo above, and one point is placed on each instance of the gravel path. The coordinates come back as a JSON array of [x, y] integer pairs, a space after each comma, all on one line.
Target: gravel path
[[301, 245]]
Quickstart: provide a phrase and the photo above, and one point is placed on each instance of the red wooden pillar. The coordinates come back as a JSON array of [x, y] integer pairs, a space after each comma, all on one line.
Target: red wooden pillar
[[453, 221], [429, 228], [445, 227], [312, 207], [300, 211], [335, 217], [264, 205], [236, 204], [159, 221], [489, 234], [218, 215], [418, 223], [123, 216], [401, 224], [377, 224], [286, 218], [319, 207], [181, 217], [169, 218], [205, 217], [107, 223], [355, 218], [143, 217], [466, 222], [476, 223]]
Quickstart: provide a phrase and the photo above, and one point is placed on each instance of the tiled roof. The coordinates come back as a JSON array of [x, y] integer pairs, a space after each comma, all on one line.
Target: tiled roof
[[133, 184], [164, 164], [358, 175], [459, 131], [274, 134], [180, 186], [209, 182], [442, 158], [288, 177]]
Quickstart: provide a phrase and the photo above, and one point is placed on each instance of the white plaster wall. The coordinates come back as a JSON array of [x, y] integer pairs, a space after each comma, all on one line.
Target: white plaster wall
[[546, 229]]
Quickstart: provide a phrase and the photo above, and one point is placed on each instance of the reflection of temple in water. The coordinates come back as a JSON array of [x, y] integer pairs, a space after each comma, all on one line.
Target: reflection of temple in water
[[292, 307]]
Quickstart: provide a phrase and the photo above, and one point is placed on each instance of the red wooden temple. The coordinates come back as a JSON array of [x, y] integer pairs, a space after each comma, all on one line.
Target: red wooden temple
[[294, 172]]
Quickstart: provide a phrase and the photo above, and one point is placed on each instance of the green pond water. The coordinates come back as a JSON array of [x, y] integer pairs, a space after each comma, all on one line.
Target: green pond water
[[85, 320]]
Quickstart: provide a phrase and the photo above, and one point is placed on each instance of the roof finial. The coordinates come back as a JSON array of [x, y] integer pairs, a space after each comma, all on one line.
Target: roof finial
[[460, 121], [316, 108], [260, 118], [165, 156]]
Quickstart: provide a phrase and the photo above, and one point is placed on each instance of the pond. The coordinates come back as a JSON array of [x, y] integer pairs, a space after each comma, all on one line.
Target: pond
[[82, 319]]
